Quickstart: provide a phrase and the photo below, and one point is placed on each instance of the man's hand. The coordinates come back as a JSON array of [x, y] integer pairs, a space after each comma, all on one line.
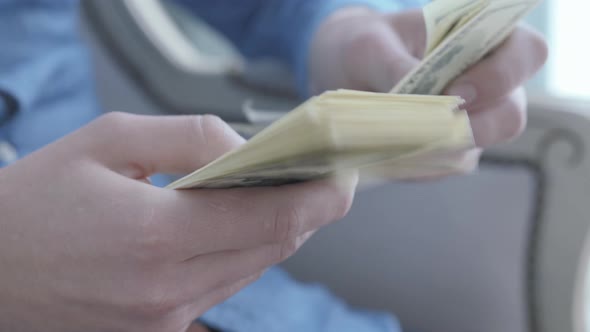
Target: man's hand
[[360, 49], [86, 244]]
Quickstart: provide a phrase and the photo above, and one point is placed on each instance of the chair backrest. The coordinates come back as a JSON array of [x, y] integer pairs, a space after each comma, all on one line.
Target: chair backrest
[[182, 64]]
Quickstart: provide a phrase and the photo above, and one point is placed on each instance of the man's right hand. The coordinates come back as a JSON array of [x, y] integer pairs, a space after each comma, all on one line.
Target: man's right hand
[[86, 244]]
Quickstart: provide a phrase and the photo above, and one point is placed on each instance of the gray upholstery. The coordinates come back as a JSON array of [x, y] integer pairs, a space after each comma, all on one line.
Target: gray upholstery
[[167, 85], [446, 256]]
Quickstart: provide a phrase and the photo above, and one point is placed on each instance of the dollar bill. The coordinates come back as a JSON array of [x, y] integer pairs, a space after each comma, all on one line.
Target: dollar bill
[[311, 167], [456, 43], [429, 161], [442, 18], [411, 159], [460, 33]]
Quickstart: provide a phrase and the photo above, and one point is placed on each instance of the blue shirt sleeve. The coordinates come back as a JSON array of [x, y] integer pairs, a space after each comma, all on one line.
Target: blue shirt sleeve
[[279, 29], [279, 303]]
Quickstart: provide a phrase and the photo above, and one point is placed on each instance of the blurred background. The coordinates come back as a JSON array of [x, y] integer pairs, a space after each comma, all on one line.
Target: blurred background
[[564, 23], [503, 250], [200, 51]]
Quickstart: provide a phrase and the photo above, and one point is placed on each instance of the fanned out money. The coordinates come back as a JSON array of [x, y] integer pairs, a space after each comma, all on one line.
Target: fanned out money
[[407, 134], [342, 130], [459, 34]]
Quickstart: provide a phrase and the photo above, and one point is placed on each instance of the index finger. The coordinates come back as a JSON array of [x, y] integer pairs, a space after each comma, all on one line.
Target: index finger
[[205, 221], [504, 70]]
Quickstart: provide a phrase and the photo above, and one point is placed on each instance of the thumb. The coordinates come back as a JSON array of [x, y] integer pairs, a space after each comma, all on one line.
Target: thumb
[[139, 146], [379, 59]]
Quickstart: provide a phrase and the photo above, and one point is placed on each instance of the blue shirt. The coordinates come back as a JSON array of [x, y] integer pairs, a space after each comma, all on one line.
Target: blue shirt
[[47, 91]]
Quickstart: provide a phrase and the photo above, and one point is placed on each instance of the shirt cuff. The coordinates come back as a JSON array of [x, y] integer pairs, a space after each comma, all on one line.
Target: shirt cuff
[[301, 50]]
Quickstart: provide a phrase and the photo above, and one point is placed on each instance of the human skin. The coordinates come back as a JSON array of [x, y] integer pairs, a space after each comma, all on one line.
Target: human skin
[[357, 48], [86, 244]]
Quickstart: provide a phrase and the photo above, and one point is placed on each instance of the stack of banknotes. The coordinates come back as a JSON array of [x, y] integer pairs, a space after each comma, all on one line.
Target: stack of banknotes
[[409, 133]]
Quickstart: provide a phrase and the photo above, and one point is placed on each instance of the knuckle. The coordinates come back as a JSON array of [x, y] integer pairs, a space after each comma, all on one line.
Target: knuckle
[[230, 290], [154, 301], [285, 250], [212, 123], [153, 244], [152, 306], [287, 224], [277, 253], [366, 40], [116, 122], [538, 45], [112, 128], [210, 127], [359, 47], [516, 120], [492, 82], [211, 132], [377, 44], [504, 81], [540, 48]]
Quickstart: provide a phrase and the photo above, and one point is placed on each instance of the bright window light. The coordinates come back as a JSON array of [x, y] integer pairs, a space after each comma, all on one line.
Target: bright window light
[[569, 64]]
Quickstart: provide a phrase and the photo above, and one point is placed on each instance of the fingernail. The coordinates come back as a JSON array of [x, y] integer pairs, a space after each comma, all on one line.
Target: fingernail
[[465, 91]]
